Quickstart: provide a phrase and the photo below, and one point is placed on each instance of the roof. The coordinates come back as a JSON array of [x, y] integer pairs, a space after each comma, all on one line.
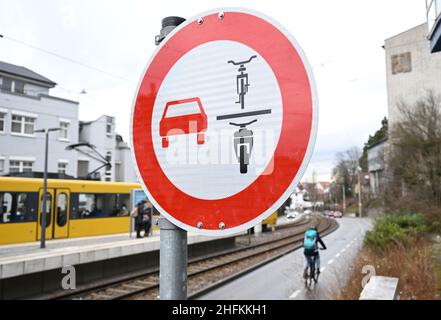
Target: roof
[[23, 72], [422, 25]]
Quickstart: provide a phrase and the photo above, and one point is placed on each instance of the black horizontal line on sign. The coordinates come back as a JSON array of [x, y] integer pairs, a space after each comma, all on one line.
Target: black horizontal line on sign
[[243, 114]]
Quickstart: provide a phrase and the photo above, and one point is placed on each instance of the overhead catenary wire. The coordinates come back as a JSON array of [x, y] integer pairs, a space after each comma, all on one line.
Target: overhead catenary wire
[[111, 74]]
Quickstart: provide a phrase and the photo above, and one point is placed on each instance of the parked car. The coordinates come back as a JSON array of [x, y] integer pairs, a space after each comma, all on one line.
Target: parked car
[[331, 214], [307, 211], [292, 214], [338, 214]]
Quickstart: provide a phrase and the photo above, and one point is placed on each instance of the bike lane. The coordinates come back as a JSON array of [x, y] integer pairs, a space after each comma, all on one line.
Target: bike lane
[[283, 278]]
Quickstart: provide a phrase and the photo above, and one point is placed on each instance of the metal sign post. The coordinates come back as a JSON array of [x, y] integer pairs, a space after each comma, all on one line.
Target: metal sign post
[[173, 240], [44, 209]]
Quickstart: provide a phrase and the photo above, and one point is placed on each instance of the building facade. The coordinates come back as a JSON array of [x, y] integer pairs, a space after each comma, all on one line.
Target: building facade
[[101, 135], [411, 70], [26, 106], [376, 166]]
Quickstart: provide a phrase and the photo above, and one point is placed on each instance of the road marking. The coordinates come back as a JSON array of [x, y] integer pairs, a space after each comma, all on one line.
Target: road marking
[[343, 250], [337, 255], [331, 261], [294, 294], [322, 269]]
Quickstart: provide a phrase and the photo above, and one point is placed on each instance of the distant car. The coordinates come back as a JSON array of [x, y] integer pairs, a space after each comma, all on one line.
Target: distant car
[[292, 214], [330, 214], [338, 214], [307, 211], [183, 117]]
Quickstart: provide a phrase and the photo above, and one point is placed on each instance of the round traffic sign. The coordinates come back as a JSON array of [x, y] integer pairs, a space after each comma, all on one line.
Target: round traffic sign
[[224, 121]]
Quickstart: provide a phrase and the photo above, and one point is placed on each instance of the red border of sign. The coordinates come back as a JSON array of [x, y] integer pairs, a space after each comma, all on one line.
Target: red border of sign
[[295, 137]]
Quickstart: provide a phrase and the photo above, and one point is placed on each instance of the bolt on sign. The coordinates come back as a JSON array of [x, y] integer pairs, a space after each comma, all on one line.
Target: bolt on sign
[[224, 121]]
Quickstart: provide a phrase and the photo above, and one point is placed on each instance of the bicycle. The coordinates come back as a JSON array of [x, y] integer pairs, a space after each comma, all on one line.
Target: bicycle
[[242, 83], [312, 274], [243, 144]]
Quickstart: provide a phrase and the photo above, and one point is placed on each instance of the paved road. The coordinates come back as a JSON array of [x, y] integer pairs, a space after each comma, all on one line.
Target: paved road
[[282, 279]]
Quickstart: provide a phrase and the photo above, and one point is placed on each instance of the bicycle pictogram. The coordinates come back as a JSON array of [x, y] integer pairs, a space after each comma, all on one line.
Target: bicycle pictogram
[[243, 138]]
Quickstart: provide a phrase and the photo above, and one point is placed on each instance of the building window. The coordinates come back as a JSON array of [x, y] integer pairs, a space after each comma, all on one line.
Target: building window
[[19, 86], [2, 166], [108, 173], [10, 85], [64, 132], [2, 122], [20, 166], [109, 125], [401, 63], [22, 124], [7, 84], [62, 167]]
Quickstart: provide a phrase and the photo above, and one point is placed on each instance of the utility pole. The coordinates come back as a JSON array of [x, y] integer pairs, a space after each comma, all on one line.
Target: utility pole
[[173, 240], [344, 199], [44, 209], [359, 192]]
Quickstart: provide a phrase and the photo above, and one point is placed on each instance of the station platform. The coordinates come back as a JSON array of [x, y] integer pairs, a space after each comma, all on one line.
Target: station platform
[[26, 270], [21, 259]]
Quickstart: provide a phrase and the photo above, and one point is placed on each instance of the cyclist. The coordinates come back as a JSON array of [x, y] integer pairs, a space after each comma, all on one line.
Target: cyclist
[[311, 249]]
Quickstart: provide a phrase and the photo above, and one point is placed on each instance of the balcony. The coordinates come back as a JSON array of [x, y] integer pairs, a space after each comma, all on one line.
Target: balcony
[[433, 11]]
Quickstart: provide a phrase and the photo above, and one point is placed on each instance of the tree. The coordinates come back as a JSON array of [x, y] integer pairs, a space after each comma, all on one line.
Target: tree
[[415, 159], [345, 172], [311, 188]]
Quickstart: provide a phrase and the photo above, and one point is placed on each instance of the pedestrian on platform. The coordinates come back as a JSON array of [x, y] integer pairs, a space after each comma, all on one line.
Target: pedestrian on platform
[[138, 213]]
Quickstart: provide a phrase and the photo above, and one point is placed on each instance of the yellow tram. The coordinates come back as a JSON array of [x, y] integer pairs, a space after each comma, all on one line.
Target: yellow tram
[[270, 221], [75, 208]]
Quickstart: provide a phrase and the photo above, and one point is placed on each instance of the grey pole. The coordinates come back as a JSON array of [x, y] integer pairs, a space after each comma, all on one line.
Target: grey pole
[[359, 193], [344, 199], [172, 261], [173, 240], [44, 208]]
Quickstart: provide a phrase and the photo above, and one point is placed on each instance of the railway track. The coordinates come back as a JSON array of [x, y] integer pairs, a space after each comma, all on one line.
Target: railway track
[[208, 272]]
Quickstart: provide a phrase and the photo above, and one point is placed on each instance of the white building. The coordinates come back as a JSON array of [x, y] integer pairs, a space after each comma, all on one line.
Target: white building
[[376, 166], [25, 106], [101, 134], [300, 200], [411, 69]]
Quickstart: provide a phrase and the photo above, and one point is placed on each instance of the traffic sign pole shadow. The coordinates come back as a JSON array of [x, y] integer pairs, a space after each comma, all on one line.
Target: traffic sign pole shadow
[[173, 240]]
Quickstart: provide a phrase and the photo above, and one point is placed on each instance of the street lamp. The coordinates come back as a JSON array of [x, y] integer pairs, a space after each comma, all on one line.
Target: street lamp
[[43, 210]]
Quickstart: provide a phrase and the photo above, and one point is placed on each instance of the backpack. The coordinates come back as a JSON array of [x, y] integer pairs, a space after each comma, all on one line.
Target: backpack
[[310, 240]]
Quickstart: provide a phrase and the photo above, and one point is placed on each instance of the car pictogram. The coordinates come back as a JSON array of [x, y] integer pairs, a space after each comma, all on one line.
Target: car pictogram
[[183, 117]]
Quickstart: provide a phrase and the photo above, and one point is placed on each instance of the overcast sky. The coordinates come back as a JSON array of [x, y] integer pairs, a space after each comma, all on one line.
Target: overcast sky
[[342, 40]]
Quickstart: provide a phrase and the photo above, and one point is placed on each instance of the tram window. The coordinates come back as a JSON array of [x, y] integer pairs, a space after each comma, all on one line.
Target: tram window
[[62, 209], [99, 205], [48, 208], [18, 207], [86, 205], [6, 206]]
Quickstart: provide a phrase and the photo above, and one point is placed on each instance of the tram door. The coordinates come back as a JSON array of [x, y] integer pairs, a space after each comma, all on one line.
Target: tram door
[[57, 213]]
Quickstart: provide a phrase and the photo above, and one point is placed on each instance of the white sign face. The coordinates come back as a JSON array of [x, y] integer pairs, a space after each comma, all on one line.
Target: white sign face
[[211, 170]]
